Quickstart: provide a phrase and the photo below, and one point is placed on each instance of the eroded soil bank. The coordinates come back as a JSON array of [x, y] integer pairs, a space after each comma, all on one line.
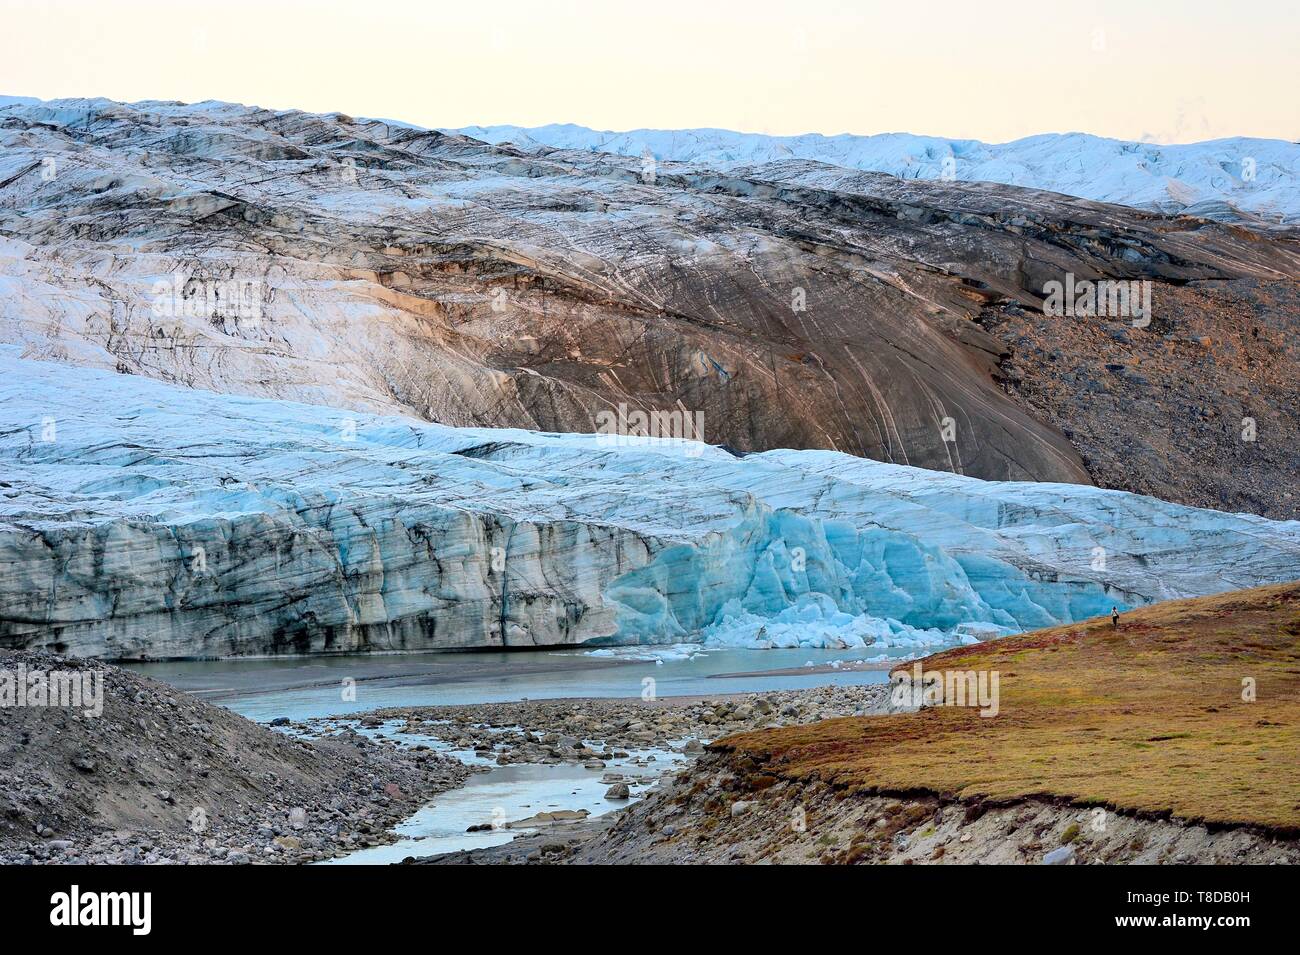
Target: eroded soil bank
[[727, 809]]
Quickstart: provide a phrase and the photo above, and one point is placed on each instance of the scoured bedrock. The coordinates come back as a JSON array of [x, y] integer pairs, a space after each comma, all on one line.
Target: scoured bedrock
[[143, 519]]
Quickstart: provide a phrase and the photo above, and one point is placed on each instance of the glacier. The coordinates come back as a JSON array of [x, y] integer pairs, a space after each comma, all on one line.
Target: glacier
[[363, 264], [142, 519], [1228, 179]]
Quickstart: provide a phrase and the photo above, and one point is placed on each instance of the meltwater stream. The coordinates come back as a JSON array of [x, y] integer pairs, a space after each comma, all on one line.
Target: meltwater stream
[[506, 794]]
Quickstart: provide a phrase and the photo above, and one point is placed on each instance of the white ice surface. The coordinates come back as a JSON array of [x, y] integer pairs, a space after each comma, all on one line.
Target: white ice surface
[[1257, 176]]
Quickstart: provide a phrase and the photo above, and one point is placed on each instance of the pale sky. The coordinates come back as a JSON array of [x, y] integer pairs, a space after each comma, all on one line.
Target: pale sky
[[1164, 70]]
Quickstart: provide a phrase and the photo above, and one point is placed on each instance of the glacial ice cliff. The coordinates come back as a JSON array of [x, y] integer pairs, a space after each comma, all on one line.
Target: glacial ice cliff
[[144, 519]]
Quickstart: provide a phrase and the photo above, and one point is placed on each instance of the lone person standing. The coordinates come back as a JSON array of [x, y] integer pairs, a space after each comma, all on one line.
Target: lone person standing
[[1114, 618]]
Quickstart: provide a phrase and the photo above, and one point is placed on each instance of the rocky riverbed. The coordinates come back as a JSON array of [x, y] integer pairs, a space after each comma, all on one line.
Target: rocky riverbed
[[589, 730], [629, 746]]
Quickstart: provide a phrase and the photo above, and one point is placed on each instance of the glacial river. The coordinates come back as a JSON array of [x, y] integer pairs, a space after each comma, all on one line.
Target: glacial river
[[306, 688]]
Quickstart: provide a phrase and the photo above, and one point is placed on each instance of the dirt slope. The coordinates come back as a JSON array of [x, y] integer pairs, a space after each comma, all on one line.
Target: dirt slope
[[1201, 407], [162, 776]]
